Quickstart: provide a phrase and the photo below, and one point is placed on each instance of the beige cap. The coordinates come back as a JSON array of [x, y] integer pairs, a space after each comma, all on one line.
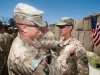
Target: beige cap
[[66, 21], [25, 12]]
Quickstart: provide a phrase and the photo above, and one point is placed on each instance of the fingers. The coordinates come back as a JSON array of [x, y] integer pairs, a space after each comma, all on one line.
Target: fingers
[[69, 48], [63, 39]]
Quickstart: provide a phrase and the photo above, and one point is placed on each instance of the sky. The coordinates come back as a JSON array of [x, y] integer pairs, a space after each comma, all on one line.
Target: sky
[[53, 9]]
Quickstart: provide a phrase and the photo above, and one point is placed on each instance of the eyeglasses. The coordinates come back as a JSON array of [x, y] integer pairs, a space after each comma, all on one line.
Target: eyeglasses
[[30, 25]]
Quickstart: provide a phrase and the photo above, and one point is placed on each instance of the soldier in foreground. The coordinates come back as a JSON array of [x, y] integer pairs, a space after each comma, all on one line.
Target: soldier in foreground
[[77, 62], [26, 56]]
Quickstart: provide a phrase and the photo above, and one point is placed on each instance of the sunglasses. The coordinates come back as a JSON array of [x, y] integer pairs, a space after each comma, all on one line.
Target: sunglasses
[[61, 27], [30, 25]]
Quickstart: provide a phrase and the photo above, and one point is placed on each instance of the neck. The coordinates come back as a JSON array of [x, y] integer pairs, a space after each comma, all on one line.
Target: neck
[[26, 37], [67, 36]]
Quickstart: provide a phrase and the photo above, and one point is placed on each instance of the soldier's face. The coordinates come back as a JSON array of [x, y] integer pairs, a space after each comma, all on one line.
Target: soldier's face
[[30, 29], [44, 29], [33, 32], [64, 31]]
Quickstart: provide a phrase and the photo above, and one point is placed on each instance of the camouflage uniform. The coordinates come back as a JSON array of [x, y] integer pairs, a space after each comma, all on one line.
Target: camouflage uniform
[[3, 55], [8, 42], [77, 62], [18, 63], [51, 55], [5, 47]]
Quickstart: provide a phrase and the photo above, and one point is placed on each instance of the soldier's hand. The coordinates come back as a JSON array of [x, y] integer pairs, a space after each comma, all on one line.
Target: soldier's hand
[[70, 49]]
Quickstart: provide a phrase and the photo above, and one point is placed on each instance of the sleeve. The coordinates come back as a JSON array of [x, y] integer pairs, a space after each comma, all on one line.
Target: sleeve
[[48, 41], [50, 44], [19, 66], [83, 68], [60, 64]]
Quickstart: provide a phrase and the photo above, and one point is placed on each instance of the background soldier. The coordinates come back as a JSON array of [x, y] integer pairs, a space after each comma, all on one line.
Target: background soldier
[[48, 35], [77, 63], [4, 50], [51, 55]]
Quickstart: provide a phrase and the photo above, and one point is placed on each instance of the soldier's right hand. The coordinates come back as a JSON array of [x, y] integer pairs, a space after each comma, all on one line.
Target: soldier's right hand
[[70, 49]]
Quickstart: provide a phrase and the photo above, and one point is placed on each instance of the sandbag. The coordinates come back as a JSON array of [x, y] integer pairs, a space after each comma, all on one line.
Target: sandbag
[[81, 37], [87, 24], [88, 40], [79, 24], [75, 34], [98, 18]]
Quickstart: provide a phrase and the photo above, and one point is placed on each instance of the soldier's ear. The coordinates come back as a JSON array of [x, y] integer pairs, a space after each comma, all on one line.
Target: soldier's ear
[[24, 28], [70, 27]]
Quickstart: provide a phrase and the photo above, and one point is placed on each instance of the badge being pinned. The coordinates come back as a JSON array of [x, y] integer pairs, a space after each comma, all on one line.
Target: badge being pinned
[[42, 62]]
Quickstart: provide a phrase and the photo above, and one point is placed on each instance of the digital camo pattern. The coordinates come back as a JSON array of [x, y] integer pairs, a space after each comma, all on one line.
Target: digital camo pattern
[[77, 62], [4, 50], [21, 54], [50, 46], [66, 21]]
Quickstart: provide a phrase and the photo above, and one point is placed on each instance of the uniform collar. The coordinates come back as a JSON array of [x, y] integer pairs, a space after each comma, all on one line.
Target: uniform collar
[[34, 43], [67, 41]]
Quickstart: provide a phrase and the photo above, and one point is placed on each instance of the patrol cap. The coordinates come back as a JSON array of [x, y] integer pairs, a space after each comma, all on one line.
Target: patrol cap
[[66, 21], [28, 13]]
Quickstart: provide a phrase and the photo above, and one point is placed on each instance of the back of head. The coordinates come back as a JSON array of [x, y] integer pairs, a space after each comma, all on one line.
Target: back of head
[[28, 13], [44, 29], [5, 27]]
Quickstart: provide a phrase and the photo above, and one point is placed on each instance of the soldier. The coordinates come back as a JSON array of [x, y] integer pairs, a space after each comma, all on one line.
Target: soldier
[[12, 32], [26, 56], [50, 54], [6, 48], [77, 62], [3, 52], [48, 35]]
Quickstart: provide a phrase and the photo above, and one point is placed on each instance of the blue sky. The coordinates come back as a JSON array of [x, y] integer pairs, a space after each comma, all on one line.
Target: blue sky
[[54, 9]]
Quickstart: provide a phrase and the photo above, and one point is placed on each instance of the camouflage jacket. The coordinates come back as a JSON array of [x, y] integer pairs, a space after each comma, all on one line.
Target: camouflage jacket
[[3, 53], [77, 63], [8, 42], [49, 36], [21, 57]]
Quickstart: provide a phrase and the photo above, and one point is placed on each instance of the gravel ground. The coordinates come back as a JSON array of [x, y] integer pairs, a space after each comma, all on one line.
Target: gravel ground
[[93, 71]]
